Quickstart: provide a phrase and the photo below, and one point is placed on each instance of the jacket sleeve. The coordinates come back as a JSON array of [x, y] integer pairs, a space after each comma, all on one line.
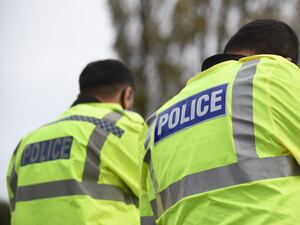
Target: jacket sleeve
[[11, 180], [146, 183], [119, 158], [284, 89]]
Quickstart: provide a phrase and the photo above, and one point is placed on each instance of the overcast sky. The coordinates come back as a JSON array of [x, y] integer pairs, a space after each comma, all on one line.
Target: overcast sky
[[44, 44]]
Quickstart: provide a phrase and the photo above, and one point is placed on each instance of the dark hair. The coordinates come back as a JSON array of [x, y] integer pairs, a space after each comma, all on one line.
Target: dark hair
[[105, 76], [266, 36]]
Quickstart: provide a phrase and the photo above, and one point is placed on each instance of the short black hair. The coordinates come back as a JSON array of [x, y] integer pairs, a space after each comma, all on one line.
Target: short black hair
[[266, 36], [106, 74]]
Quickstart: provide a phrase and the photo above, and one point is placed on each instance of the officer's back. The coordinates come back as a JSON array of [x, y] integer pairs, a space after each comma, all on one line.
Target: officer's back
[[81, 168], [224, 150]]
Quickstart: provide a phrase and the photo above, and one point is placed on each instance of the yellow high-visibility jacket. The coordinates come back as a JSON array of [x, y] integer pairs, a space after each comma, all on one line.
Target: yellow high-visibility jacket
[[226, 149], [81, 169]]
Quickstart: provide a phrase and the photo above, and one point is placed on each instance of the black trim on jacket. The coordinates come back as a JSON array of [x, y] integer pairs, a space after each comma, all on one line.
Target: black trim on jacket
[[219, 58]]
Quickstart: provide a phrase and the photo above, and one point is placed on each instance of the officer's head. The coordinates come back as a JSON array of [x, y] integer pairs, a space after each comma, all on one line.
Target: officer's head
[[266, 36], [108, 81]]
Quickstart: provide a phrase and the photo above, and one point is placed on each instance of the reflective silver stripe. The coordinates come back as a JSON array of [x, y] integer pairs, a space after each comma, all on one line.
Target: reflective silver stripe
[[242, 111], [91, 169], [225, 176], [147, 220], [97, 139], [151, 119], [147, 140], [113, 116], [73, 187], [157, 206], [150, 122]]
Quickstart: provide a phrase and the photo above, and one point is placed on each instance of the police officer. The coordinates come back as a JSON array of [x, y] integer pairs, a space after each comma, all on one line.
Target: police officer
[[226, 149], [82, 167]]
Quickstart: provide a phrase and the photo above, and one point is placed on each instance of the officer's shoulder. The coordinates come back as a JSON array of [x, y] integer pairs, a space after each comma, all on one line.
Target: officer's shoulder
[[30, 135], [275, 60], [281, 65], [132, 116]]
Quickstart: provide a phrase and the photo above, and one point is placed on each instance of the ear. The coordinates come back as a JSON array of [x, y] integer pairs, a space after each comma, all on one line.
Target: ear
[[290, 59], [127, 98]]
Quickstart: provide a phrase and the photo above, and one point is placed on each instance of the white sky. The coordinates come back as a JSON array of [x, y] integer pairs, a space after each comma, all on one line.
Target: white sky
[[44, 44]]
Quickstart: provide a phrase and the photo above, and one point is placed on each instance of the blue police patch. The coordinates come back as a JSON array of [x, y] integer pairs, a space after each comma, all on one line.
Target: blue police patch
[[195, 109], [53, 149]]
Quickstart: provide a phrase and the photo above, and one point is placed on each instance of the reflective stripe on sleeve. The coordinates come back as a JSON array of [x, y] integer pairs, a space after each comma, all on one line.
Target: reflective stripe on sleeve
[[147, 220], [112, 116], [156, 205], [150, 122], [91, 169]]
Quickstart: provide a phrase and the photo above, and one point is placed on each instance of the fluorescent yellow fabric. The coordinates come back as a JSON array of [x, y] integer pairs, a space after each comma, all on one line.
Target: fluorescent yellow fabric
[[118, 168], [210, 144]]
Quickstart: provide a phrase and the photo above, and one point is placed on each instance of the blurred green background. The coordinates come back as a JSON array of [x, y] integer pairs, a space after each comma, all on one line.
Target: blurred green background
[[165, 41]]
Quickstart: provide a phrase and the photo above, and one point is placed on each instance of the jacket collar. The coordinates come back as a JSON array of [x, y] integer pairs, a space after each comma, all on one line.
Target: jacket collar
[[85, 99], [219, 58]]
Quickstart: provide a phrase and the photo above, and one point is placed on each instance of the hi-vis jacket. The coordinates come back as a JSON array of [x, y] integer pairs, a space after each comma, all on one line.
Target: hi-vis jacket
[[226, 149], [80, 169]]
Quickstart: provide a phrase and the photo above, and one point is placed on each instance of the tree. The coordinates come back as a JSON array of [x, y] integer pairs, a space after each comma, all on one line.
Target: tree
[[164, 42]]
